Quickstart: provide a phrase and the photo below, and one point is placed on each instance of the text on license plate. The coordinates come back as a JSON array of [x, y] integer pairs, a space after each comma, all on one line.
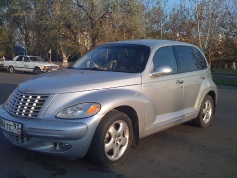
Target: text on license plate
[[10, 126]]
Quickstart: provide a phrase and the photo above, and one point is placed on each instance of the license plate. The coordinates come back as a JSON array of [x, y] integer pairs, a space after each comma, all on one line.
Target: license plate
[[10, 126]]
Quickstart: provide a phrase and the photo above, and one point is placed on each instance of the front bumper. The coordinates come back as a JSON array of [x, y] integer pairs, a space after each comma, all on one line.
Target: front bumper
[[50, 68], [70, 139]]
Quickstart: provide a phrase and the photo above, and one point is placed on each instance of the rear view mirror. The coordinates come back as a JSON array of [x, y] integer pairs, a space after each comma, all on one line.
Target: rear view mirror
[[162, 70]]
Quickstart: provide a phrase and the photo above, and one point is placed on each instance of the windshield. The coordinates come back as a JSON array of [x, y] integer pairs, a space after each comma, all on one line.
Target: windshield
[[115, 57], [36, 59]]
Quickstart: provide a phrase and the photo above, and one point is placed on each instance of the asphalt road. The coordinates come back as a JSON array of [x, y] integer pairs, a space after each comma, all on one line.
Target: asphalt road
[[182, 151]]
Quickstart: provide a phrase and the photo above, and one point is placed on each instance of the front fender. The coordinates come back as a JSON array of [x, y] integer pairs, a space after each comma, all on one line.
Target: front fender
[[108, 98]]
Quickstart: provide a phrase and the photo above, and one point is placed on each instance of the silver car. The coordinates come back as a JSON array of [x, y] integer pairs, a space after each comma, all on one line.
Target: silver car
[[111, 97]]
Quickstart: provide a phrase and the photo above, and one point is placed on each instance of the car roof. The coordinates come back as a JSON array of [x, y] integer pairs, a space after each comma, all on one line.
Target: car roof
[[152, 42]]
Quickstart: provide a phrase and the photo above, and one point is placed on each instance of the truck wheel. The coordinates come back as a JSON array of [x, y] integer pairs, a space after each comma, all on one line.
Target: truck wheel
[[11, 69], [205, 114], [37, 71], [112, 139]]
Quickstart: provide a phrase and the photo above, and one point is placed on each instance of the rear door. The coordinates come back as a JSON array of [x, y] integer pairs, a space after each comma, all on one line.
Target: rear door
[[192, 65], [27, 64]]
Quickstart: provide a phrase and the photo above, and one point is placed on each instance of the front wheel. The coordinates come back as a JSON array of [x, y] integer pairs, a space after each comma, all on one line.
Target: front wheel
[[205, 114], [112, 139], [11, 69]]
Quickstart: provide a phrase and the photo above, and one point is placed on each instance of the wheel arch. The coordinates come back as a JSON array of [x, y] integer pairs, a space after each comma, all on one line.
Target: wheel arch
[[97, 149], [37, 67], [214, 97], [132, 114], [212, 92]]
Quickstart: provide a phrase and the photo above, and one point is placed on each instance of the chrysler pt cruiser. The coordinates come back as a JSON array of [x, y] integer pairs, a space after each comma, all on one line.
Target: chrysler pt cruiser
[[111, 97]]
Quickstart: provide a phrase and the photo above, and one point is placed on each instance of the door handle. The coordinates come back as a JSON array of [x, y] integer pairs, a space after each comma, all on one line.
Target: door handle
[[180, 81], [203, 77]]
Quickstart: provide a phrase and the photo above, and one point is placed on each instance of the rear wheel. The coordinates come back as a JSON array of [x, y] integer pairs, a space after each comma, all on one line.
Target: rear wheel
[[205, 115], [37, 71], [112, 139], [11, 69]]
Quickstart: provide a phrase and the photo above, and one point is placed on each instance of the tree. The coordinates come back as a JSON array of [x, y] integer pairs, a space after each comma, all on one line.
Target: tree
[[181, 24], [31, 25], [72, 27], [156, 18], [210, 16], [93, 15]]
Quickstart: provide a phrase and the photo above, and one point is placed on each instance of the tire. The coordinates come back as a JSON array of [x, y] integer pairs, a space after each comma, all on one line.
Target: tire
[[11, 69], [112, 139], [37, 71], [205, 114]]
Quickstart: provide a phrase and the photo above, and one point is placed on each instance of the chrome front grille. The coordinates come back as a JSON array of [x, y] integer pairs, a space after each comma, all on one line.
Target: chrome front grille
[[26, 105], [53, 67]]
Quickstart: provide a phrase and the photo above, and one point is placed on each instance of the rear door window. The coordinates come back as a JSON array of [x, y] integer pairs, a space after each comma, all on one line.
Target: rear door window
[[26, 59], [188, 59], [200, 59]]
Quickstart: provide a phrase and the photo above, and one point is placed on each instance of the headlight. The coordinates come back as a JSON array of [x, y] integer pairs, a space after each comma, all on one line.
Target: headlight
[[46, 67], [8, 100], [79, 111]]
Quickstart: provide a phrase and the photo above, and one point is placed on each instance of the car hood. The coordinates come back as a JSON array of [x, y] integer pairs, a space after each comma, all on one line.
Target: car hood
[[73, 80]]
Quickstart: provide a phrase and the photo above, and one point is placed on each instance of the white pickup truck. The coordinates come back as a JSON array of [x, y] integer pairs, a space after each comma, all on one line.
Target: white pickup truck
[[33, 64]]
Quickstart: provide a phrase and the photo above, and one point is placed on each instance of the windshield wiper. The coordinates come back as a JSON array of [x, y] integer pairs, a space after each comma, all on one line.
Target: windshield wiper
[[71, 67], [91, 68]]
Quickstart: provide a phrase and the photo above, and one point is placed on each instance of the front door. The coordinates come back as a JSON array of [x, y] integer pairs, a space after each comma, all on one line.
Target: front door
[[165, 92], [19, 63]]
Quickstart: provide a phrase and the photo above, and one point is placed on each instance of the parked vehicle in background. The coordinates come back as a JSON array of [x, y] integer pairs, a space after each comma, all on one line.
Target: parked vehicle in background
[[34, 64], [2, 65], [2, 59], [110, 98]]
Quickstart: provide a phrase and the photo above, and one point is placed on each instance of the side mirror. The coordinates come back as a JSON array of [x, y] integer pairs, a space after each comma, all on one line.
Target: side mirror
[[162, 70]]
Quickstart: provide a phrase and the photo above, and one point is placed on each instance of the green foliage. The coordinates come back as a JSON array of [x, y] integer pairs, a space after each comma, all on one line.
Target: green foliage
[[226, 82], [71, 27]]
